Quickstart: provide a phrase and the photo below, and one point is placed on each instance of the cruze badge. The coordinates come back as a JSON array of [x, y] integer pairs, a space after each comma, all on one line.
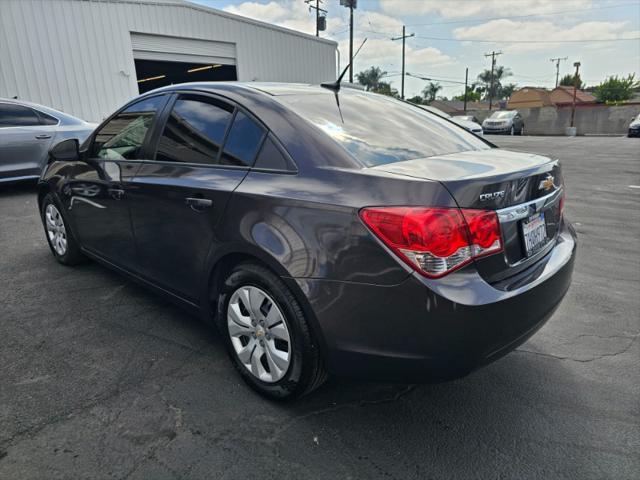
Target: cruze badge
[[491, 196], [547, 184]]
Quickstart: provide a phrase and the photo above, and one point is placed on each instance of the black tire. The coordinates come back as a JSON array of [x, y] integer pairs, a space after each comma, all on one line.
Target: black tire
[[72, 255], [512, 131], [521, 131], [306, 370]]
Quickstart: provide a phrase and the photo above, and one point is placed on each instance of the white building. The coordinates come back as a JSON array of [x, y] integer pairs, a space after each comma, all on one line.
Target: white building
[[87, 57]]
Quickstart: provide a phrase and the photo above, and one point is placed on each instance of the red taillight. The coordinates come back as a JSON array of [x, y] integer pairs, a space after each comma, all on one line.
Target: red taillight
[[435, 241]]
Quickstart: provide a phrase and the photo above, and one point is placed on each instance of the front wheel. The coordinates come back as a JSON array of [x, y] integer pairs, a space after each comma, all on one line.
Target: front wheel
[[63, 246], [512, 131], [267, 335]]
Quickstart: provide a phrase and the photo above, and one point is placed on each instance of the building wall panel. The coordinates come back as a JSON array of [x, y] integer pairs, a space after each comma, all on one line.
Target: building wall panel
[[77, 55]]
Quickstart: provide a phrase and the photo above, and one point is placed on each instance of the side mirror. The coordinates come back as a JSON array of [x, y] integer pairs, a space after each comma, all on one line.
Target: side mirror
[[65, 151]]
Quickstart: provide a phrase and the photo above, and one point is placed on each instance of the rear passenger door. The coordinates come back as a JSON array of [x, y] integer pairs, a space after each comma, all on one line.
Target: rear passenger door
[[25, 139], [179, 197]]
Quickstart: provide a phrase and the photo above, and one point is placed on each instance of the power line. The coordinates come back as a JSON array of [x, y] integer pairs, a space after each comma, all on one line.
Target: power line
[[485, 19], [477, 40]]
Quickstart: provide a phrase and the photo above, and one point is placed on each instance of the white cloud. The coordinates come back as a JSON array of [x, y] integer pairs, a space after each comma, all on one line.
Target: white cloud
[[288, 14], [454, 9], [504, 31]]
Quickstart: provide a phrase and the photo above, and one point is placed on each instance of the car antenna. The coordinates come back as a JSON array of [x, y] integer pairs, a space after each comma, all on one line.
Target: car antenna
[[335, 86]]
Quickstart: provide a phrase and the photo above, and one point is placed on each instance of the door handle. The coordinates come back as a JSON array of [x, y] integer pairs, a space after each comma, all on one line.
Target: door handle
[[43, 136], [116, 193], [198, 204]]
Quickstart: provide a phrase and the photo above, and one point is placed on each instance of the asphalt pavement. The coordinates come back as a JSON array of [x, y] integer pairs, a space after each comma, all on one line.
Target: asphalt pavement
[[99, 378]]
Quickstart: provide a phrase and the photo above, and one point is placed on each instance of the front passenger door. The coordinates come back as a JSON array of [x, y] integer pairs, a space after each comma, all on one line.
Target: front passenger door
[[178, 198], [97, 194]]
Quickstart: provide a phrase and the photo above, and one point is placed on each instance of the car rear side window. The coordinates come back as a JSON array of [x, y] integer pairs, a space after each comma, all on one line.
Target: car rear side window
[[12, 115], [271, 158], [122, 137], [243, 141], [46, 119], [194, 131]]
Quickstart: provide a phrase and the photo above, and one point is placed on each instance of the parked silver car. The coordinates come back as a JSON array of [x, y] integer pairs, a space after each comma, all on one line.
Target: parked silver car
[[504, 121], [463, 122], [27, 131]]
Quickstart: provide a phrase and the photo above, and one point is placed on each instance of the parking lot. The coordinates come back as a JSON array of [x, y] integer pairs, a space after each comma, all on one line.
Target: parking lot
[[101, 379]]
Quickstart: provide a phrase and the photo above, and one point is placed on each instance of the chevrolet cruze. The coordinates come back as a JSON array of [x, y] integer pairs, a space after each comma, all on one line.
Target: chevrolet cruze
[[322, 231]]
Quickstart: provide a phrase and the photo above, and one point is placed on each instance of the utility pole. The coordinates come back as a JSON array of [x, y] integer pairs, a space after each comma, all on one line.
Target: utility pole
[[558, 60], [466, 80], [351, 5], [493, 56], [318, 10], [576, 79], [403, 38]]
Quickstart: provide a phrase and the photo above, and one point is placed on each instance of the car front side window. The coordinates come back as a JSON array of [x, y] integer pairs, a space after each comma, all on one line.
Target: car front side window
[[122, 137]]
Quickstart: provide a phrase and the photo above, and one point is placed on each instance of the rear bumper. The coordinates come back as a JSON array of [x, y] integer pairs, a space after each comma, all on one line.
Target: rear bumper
[[427, 330]]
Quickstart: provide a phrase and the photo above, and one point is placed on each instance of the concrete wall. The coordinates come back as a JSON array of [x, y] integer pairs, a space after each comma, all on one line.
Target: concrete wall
[[590, 120]]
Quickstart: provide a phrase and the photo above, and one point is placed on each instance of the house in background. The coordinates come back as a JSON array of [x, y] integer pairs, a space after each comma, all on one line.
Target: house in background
[[535, 97], [530, 97], [563, 95]]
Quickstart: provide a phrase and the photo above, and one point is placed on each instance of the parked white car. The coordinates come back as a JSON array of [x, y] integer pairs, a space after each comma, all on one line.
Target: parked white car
[[466, 124]]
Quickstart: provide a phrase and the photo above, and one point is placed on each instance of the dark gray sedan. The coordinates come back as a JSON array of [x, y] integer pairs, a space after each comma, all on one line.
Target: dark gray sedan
[[322, 232], [27, 131]]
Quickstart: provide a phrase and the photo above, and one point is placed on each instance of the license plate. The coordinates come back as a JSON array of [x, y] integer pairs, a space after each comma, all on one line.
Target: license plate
[[534, 231]]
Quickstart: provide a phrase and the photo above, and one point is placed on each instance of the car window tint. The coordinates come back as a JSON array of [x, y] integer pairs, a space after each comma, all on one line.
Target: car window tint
[[376, 129], [271, 157], [46, 119], [12, 115], [123, 136], [194, 131], [243, 141]]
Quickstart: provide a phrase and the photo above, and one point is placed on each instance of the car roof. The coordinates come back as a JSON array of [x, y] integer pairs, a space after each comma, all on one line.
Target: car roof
[[269, 88], [64, 117]]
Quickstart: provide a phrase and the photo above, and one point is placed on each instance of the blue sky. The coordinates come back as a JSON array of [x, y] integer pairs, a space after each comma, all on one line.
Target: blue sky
[[454, 34]]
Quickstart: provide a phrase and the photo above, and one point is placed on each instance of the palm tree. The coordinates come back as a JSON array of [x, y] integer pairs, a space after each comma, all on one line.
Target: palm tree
[[430, 91], [499, 74], [370, 78]]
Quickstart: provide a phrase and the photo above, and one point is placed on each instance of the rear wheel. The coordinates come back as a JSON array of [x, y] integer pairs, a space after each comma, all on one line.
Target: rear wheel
[[267, 335], [63, 246], [521, 131], [512, 131]]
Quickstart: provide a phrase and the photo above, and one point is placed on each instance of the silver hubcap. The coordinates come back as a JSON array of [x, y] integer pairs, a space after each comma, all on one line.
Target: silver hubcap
[[259, 334], [55, 229]]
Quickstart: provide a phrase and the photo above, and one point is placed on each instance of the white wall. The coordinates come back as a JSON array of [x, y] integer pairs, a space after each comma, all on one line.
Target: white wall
[[76, 55]]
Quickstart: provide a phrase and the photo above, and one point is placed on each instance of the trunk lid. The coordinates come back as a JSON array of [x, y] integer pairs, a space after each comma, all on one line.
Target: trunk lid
[[525, 189]]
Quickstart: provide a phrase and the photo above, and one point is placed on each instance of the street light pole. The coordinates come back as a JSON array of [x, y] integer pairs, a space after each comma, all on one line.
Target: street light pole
[[403, 38], [576, 79]]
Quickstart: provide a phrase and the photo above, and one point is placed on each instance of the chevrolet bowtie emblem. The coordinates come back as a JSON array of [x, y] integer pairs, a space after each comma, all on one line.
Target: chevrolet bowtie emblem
[[547, 183]]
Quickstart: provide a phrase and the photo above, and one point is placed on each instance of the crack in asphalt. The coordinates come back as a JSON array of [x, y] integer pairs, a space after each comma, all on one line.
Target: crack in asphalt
[[582, 360]]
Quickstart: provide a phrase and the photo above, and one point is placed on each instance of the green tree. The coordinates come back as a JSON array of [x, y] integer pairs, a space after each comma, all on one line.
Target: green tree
[[499, 74], [474, 94], [370, 78], [416, 99], [431, 91], [615, 89], [507, 90], [568, 81]]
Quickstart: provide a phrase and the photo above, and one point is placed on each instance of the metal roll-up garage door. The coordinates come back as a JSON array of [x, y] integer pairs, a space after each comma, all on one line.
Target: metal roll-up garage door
[[187, 50]]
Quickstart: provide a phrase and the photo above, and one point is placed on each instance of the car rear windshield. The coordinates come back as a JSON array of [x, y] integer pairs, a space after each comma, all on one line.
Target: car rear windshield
[[378, 129]]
